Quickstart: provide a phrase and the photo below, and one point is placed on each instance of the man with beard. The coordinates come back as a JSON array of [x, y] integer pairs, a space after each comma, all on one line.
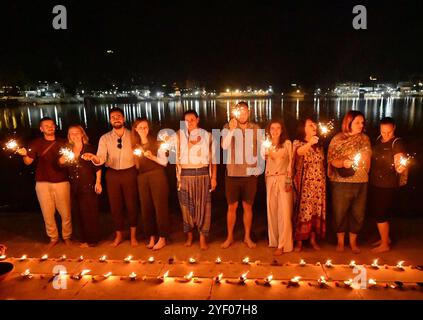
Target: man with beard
[[115, 151], [52, 185], [241, 173]]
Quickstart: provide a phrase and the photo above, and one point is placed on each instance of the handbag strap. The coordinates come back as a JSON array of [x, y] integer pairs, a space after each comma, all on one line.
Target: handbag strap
[[47, 149]]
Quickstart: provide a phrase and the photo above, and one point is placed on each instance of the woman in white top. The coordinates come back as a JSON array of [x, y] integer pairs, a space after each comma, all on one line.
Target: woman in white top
[[278, 154]]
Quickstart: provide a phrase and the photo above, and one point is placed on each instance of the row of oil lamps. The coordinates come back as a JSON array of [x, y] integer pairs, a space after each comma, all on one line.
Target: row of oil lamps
[[400, 265], [322, 282]]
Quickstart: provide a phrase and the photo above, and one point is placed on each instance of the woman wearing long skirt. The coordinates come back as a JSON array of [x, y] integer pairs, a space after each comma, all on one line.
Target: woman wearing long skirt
[[309, 186], [278, 155]]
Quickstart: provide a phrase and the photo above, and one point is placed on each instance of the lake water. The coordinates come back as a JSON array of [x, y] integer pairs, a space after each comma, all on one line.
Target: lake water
[[17, 193]]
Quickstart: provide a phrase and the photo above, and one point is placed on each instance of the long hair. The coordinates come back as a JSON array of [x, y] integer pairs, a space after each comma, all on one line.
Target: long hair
[[135, 137], [284, 134], [85, 138], [349, 118]]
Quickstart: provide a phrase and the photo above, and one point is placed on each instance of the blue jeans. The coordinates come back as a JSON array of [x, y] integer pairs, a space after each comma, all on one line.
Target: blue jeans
[[349, 206]]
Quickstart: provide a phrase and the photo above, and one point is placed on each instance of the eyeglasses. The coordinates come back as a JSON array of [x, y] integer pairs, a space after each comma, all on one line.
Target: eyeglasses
[[119, 141]]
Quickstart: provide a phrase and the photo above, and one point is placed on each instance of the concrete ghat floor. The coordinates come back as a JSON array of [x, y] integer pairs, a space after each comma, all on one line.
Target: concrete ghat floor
[[408, 248]]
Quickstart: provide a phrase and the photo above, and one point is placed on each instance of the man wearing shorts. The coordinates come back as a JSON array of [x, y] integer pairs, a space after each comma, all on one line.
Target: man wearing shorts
[[240, 142]]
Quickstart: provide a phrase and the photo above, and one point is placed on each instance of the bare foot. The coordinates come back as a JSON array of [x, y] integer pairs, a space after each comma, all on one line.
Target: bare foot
[[355, 250], [381, 248], [278, 252], [150, 245], [250, 244], [379, 242], [160, 244], [340, 248], [134, 243], [84, 245], [298, 247], [315, 246], [188, 243], [227, 243], [52, 244], [116, 242], [203, 243], [68, 242]]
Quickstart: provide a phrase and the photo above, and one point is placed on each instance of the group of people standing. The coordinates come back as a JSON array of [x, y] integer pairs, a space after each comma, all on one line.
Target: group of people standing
[[295, 175]]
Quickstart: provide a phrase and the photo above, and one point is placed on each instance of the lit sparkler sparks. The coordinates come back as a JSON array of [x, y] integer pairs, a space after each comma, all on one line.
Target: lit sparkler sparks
[[68, 154], [11, 145], [138, 152], [326, 128], [236, 113], [357, 160]]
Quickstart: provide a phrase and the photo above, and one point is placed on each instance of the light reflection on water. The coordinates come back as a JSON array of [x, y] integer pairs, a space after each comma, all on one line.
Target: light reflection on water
[[215, 113]]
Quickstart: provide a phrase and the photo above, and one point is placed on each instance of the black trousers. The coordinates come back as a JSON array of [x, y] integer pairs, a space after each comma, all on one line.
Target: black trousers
[[153, 190], [122, 189], [86, 213]]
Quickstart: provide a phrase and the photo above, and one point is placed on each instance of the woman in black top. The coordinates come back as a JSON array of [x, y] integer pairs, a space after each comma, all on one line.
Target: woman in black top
[[384, 179], [153, 186], [85, 180]]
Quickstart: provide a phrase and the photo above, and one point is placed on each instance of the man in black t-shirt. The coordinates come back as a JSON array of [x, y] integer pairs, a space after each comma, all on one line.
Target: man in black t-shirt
[[52, 185]]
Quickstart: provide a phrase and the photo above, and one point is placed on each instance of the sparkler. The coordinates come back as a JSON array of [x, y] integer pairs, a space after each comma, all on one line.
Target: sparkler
[[405, 161], [138, 152], [236, 113], [267, 144], [356, 159], [11, 145], [68, 154], [326, 128]]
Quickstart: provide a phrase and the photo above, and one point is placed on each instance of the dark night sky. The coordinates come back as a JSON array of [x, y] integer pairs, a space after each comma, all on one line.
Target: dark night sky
[[216, 43]]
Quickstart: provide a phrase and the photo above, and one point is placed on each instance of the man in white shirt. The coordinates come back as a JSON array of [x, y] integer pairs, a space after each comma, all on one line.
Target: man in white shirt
[[115, 151]]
